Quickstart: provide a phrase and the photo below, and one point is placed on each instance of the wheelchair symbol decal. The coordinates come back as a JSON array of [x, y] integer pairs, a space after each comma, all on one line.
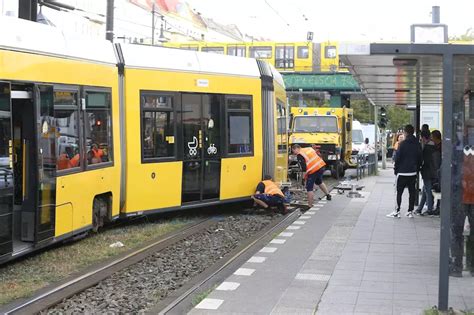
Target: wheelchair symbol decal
[[212, 149], [192, 147]]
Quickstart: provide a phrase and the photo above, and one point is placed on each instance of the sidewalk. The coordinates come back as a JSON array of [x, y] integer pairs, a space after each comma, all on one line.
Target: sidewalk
[[344, 257]]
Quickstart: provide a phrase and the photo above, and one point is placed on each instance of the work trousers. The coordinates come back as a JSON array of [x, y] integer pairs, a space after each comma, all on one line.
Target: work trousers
[[458, 217], [409, 182]]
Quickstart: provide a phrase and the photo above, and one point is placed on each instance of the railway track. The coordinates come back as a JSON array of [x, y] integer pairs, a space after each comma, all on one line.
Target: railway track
[[75, 294], [182, 300], [54, 294]]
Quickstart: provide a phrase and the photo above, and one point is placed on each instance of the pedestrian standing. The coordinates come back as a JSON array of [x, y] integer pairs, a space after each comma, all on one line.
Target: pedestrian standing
[[398, 140], [407, 163], [428, 172]]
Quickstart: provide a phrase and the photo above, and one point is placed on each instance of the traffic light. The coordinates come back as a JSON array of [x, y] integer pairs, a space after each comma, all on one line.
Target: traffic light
[[383, 120]]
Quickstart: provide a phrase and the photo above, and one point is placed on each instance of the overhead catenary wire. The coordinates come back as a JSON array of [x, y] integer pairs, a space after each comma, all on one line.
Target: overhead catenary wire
[[277, 13]]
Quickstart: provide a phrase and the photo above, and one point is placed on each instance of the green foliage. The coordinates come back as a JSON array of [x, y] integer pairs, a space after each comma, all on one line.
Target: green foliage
[[397, 117], [468, 36], [363, 111]]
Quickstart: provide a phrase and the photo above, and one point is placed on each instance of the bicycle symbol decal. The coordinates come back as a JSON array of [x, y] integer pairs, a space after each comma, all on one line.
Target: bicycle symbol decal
[[192, 147], [212, 149]]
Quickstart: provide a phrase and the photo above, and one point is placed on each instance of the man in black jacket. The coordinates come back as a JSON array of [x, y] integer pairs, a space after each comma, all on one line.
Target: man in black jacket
[[407, 163]]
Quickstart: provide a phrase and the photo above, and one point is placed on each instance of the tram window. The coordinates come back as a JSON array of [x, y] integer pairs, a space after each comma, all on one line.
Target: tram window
[[330, 52], [239, 126], [303, 52], [238, 104], [238, 51], [213, 50], [98, 127], [189, 47], [261, 52], [282, 127], [67, 122], [158, 136]]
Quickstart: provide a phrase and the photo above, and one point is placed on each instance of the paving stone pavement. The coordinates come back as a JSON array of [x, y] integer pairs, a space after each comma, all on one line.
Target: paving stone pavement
[[390, 266], [346, 258]]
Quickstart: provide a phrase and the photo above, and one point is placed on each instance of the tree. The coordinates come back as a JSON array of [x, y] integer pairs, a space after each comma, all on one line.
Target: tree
[[468, 36], [398, 117], [363, 111]]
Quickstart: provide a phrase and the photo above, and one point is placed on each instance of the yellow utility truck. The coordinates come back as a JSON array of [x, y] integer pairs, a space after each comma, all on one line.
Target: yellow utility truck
[[328, 130]]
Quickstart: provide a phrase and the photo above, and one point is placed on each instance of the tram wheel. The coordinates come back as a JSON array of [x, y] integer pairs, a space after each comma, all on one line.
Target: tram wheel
[[99, 213]]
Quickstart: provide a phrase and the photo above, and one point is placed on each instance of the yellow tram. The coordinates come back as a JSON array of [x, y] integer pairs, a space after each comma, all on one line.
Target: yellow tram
[[284, 56], [91, 131]]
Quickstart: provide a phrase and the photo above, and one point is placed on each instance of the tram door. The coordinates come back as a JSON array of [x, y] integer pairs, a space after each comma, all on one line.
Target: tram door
[[6, 174], [202, 146], [27, 166]]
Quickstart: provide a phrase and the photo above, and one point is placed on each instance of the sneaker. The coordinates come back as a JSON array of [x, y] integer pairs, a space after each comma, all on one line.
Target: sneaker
[[394, 214], [328, 197], [418, 212], [455, 273], [432, 213], [410, 214]]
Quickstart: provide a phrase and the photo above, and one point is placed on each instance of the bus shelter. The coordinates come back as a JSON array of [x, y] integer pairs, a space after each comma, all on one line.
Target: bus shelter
[[439, 76]]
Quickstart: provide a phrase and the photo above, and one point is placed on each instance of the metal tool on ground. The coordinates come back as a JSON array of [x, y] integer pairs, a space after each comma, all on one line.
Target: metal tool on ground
[[349, 185]]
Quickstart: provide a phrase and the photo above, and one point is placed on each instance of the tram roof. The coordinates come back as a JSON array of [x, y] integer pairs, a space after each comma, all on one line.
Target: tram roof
[[23, 35], [162, 58]]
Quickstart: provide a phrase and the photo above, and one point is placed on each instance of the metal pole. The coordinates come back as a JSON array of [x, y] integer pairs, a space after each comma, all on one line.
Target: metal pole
[[435, 15], [153, 24], [418, 126], [446, 189], [376, 141], [384, 150], [28, 10], [109, 33]]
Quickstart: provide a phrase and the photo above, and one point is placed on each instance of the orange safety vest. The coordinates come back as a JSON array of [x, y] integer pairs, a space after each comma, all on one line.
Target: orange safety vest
[[75, 160], [98, 153], [63, 162], [313, 161], [271, 188]]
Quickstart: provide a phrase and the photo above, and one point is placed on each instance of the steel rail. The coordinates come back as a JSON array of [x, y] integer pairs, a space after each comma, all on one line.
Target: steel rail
[[55, 294]]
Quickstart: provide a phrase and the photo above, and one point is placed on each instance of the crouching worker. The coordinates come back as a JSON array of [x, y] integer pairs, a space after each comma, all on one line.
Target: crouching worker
[[269, 195]]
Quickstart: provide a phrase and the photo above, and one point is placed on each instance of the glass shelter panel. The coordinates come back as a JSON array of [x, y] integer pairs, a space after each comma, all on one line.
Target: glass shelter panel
[[462, 171]]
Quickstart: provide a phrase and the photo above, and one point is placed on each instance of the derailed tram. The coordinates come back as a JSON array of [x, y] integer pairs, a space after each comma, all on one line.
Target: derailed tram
[[91, 131]]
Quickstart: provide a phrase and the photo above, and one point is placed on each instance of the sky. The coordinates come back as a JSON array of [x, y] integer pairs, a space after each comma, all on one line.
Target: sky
[[340, 20]]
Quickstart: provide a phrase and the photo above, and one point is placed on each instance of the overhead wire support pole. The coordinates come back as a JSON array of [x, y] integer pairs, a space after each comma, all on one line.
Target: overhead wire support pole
[[109, 33], [153, 24]]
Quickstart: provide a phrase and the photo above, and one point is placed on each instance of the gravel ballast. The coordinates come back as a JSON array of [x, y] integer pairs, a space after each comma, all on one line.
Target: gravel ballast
[[139, 287]]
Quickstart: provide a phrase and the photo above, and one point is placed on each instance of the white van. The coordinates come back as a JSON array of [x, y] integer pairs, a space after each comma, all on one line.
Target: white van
[[368, 131], [358, 145]]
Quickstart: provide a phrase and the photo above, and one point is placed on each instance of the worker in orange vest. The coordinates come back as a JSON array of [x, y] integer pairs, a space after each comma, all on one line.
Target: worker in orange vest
[[97, 153], [269, 195], [63, 162], [313, 166]]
